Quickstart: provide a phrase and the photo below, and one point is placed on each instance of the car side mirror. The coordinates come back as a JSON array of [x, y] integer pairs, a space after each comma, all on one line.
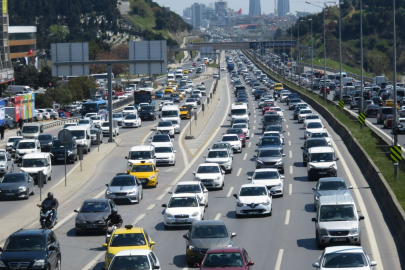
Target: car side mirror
[[156, 267], [104, 245], [314, 188], [196, 265], [19, 165], [350, 187], [316, 265], [164, 205], [233, 234], [51, 248], [106, 185], [186, 236], [302, 147], [361, 218], [250, 263], [373, 263], [194, 173], [336, 159], [235, 195], [282, 176], [314, 220], [126, 157], [76, 211]]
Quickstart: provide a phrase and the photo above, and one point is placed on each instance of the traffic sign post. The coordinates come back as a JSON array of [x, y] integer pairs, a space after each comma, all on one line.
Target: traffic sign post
[[362, 118], [341, 105], [396, 157]]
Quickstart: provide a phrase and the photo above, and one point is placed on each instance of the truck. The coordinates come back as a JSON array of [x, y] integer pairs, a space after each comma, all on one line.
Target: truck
[[230, 67], [18, 89], [378, 80]]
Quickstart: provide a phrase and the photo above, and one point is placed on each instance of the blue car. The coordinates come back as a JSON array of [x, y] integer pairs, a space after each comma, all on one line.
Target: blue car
[[62, 115], [159, 94]]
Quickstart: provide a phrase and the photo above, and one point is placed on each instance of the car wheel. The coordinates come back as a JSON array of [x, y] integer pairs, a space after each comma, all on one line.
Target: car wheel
[[27, 195], [318, 242], [32, 192], [53, 117], [50, 178], [58, 266], [282, 171], [271, 212], [35, 119]]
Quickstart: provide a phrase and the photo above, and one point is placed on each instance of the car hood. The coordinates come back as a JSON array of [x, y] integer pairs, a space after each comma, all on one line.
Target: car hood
[[267, 182], [215, 160], [129, 120], [164, 155], [208, 243], [321, 165], [11, 256], [118, 119], [339, 225], [92, 216], [207, 175], [252, 199], [158, 144], [182, 210], [7, 186], [333, 192], [164, 128], [62, 151], [115, 189], [32, 169], [269, 159], [3, 162], [169, 118], [26, 151], [311, 130]]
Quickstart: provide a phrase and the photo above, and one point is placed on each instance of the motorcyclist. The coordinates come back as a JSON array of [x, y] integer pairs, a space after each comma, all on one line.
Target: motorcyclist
[[50, 203], [113, 219]]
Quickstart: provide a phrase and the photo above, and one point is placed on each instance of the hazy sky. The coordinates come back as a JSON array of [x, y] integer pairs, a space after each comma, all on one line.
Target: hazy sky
[[267, 5]]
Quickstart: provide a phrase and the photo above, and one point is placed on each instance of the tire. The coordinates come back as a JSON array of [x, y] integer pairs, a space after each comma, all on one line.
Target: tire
[[318, 243], [58, 266], [28, 196], [32, 192], [53, 117], [271, 212], [50, 177], [88, 150], [222, 187], [35, 119], [282, 171]]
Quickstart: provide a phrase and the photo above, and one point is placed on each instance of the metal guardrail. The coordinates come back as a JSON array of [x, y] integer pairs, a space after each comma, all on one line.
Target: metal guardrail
[[355, 76]]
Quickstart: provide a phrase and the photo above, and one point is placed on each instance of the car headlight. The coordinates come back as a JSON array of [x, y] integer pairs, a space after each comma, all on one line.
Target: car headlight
[[279, 185], [132, 191], [259, 161], [323, 231], [2, 264], [266, 202], [100, 222], [193, 249], [241, 139], [354, 230], [317, 198], [130, 164], [39, 263], [195, 214], [152, 176], [311, 167], [108, 192], [22, 188], [80, 222], [110, 256], [279, 162], [239, 204], [332, 166], [218, 178], [69, 153]]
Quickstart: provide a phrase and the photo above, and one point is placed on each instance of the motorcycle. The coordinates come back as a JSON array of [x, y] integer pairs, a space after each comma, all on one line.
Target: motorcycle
[[46, 219], [110, 229]]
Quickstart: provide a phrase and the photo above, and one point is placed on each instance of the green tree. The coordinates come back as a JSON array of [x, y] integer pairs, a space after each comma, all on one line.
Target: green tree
[[26, 75], [43, 101], [80, 87], [378, 62], [58, 31], [45, 77], [63, 96]]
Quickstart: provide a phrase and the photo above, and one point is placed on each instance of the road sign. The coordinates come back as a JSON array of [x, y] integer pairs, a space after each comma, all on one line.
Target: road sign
[[206, 52], [70, 52], [148, 50], [396, 154], [341, 104], [362, 118], [65, 136]]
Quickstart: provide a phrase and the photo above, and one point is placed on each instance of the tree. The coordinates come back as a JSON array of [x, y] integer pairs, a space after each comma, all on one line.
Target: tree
[[378, 62], [80, 87], [277, 34], [58, 31], [26, 75], [43, 101], [45, 77], [63, 96]]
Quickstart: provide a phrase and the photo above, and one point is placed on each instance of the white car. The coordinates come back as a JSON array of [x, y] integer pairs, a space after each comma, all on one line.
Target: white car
[[89, 115], [216, 75], [196, 92], [271, 178], [86, 122], [223, 68], [131, 120], [27, 147], [234, 140], [165, 127], [195, 187], [165, 155], [144, 258], [191, 101], [69, 125], [183, 209], [38, 116], [303, 114], [244, 127], [253, 199], [278, 110], [202, 88], [46, 115], [344, 257], [161, 140], [10, 142], [274, 134], [129, 110], [97, 120], [211, 175], [310, 118], [165, 103], [221, 157], [322, 134], [190, 83], [313, 127]]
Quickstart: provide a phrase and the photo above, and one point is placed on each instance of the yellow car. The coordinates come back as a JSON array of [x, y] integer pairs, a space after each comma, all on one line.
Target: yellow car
[[169, 89], [185, 71], [278, 86], [126, 239], [181, 94], [390, 103], [146, 173], [185, 113]]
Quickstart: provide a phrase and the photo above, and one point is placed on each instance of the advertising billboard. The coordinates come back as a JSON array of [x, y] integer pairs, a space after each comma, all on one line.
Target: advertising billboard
[[2, 112], [24, 106]]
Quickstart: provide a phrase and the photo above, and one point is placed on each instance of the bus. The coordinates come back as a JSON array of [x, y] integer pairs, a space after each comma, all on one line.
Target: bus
[[95, 106], [143, 96], [102, 77]]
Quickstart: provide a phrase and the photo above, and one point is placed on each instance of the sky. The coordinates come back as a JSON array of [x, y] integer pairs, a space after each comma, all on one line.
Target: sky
[[266, 5]]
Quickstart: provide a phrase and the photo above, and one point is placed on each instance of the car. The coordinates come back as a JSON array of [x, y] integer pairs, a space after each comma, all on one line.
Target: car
[[226, 258], [269, 158], [347, 257], [241, 134], [312, 127], [271, 142], [223, 145], [165, 155], [221, 157], [88, 115], [253, 199], [16, 185], [322, 134], [244, 127], [97, 120], [204, 235], [271, 120], [161, 140], [45, 140], [86, 122], [241, 121], [11, 140], [31, 249], [216, 75], [293, 102], [303, 113], [53, 114], [182, 210], [126, 188], [354, 103], [234, 141], [389, 121], [129, 110], [135, 259], [165, 127], [131, 120], [312, 142], [159, 94], [146, 173], [195, 187], [176, 125], [321, 162], [192, 102], [371, 110], [211, 175], [46, 115], [310, 118], [298, 108], [91, 215], [197, 98], [271, 178], [124, 238], [38, 116], [330, 186], [59, 150], [274, 134], [25, 147]]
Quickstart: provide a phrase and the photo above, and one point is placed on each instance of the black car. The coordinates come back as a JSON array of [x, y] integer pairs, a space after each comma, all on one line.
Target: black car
[[259, 93], [16, 185], [291, 96], [91, 215], [371, 110], [272, 120], [147, 112], [309, 143], [31, 249], [45, 140], [377, 101], [176, 97], [58, 151]]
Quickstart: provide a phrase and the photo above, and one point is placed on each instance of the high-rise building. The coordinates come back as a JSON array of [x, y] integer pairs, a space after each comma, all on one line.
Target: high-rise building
[[283, 7], [254, 8], [221, 8], [196, 15], [187, 12], [207, 12], [6, 68]]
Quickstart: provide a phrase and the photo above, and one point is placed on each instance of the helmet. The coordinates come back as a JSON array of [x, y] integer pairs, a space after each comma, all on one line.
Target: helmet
[[50, 195], [113, 211]]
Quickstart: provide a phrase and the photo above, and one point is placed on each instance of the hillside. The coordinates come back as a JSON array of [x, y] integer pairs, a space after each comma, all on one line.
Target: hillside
[[377, 35]]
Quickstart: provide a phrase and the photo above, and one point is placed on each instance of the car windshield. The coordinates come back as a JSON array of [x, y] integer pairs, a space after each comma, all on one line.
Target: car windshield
[[45, 137], [272, 118], [161, 138], [12, 178], [237, 121], [238, 112], [128, 239], [30, 129], [130, 262], [332, 185], [273, 128], [120, 181], [96, 117], [319, 135], [59, 145], [163, 150], [165, 124], [26, 145], [269, 153], [33, 162], [79, 134], [183, 202], [234, 131], [2, 158], [314, 125], [305, 111], [25, 243], [221, 260], [142, 168], [130, 116], [266, 175], [146, 108], [84, 122], [220, 146], [230, 138], [129, 108], [321, 157], [187, 189], [172, 113], [91, 207], [316, 143], [208, 169], [344, 260], [270, 141], [253, 191], [190, 100], [117, 115], [217, 154], [209, 231], [336, 213]]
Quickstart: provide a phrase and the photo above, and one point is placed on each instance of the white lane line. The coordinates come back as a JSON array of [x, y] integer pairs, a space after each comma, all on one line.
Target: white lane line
[[218, 216], [245, 156], [362, 206], [94, 261], [99, 195], [250, 143], [279, 258], [289, 142], [254, 116], [291, 169], [147, 137], [252, 136], [229, 192], [290, 154], [163, 194], [288, 133], [287, 218], [254, 122], [150, 207], [290, 189], [140, 217], [286, 126], [239, 171], [63, 221], [254, 127]]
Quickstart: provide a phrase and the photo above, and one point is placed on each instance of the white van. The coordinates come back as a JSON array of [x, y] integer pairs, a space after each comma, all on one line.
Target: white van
[[105, 127], [83, 137], [170, 112], [239, 110], [321, 163], [141, 153], [36, 162], [170, 77], [32, 130]]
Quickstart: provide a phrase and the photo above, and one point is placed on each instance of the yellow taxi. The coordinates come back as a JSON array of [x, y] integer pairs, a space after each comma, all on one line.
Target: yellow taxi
[[185, 113], [185, 71], [390, 103], [181, 94], [146, 173], [126, 239], [169, 89], [278, 86]]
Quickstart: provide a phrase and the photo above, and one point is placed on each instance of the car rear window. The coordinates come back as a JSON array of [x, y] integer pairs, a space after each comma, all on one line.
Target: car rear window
[[387, 111]]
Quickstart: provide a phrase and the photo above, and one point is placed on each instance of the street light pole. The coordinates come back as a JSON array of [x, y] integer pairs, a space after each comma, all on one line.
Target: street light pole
[[361, 109], [291, 29], [395, 127], [312, 60], [299, 54], [324, 56], [340, 49]]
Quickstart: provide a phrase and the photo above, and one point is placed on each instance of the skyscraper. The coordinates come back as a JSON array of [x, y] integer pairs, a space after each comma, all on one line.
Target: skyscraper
[[254, 8], [6, 68], [196, 15], [283, 7]]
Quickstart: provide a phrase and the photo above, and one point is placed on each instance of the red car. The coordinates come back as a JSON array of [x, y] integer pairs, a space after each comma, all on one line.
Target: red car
[[265, 109], [327, 89], [194, 64], [389, 121], [230, 258], [240, 133]]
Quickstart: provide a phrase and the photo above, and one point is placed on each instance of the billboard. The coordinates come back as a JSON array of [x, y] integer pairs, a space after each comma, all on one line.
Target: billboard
[[2, 112], [148, 50], [24, 106]]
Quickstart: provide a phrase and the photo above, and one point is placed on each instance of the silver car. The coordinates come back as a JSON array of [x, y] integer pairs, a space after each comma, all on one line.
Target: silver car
[[118, 117], [222, 157], [330, 186], [126, 188], [53, 114], [270, 158], [177, 126], [93, 135], [223, 145], [6, 163]]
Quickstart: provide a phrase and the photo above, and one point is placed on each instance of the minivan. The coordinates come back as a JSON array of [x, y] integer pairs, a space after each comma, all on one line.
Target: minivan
[[141, 153], [32, 130], [36, 162], [321, 163], [83, 138]]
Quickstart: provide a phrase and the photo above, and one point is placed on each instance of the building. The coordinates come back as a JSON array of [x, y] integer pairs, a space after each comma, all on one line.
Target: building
[[254, 8], [196, 15], [283, 7], [6, 68], [23, 42], [207, 12], [187, 12], [221, 8]]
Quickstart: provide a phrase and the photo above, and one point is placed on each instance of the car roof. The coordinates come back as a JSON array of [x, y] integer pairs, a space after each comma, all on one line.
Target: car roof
[[31, 232], [28, 140], [208, 164], [132, 252], [208, 222], [177, 195], [331, 179], [188, 183], [224, 250], [253, 185], [266, 169], [344, 249], [217, 150], [324, 149], [336, 200], [124, 230], [36, 155], [142, 148], [96, 200]]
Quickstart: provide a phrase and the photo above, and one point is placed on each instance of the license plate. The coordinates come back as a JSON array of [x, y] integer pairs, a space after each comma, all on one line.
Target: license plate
[[250, 213], [207, 184], [61, 158], [91, 226], [121, 197], [180, 220], [322, 172], [10, 194], [339, 239]]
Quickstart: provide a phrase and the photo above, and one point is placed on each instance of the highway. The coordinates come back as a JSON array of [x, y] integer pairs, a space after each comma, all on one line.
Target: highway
[[285, 240]]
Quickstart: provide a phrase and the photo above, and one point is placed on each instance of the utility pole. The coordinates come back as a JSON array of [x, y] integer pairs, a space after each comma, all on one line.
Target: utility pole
[[361, 109], [340, 49], [394, 60], [312, 60], [324, 56]]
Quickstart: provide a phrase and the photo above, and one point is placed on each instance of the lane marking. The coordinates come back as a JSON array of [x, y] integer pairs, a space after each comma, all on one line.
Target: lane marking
[[250, 143], [254, 122], [252, 136], [150, 207], [163, 194], [239, 171], [99, 195], [290, 189], [63, 221], [291, 169], [286, 126], [288, 133], [229, 192], [254, 127], [218, 216], [279, 258], [287, 218], [290, 154], [244, 158], [141, 216], [255, 116], [94, 261]]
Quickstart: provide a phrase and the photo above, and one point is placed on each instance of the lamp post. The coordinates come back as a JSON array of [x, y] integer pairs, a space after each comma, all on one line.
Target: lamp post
[[394, 61], [361, 109], [299, 56], [340, 50], [312, 60]]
